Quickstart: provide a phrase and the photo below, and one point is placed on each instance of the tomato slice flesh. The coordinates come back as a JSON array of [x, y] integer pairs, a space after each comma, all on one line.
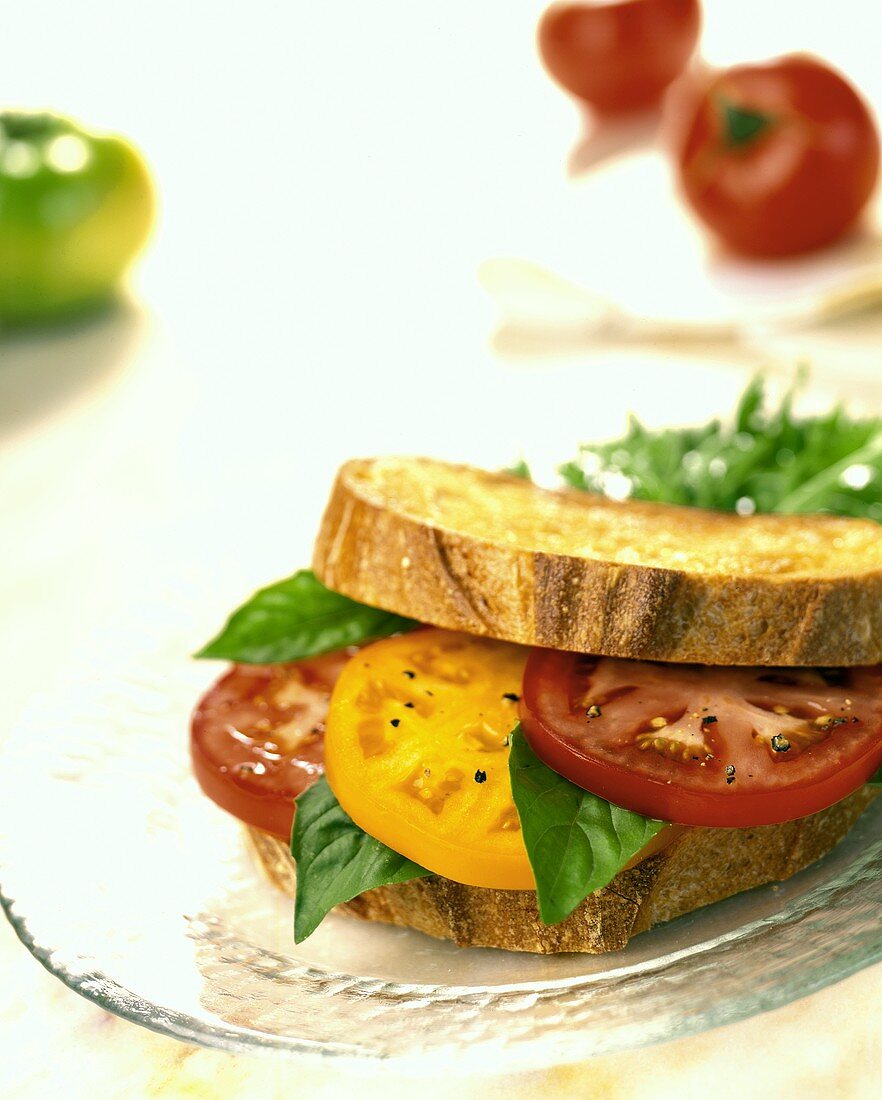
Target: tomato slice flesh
[[701, 745], [417, 753], [257, 737]]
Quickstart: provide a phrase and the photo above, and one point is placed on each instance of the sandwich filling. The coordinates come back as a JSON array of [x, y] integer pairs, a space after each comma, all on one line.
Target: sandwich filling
[[411, 751], [500, 766]]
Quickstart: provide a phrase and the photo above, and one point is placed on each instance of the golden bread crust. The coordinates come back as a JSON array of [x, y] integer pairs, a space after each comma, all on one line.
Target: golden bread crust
[[494, 555]]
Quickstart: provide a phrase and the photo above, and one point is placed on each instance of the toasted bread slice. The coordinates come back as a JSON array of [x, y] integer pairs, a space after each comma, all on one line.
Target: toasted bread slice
[[496, 555], [700, 866]]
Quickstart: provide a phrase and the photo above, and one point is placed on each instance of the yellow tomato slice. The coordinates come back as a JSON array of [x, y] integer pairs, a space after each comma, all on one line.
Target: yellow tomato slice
[[416, 751]]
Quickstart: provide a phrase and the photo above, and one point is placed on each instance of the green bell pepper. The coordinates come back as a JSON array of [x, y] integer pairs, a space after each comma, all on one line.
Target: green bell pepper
[[75, 208]]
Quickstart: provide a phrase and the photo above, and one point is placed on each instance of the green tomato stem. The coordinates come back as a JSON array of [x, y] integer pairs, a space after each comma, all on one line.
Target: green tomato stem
[[740, 125]]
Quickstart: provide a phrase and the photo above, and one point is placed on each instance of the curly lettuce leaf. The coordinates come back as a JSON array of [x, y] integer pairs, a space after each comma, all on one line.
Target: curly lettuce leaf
[[761, 460]]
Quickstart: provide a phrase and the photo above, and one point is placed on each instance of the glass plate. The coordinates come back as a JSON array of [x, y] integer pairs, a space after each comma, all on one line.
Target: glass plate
[[138, 893]]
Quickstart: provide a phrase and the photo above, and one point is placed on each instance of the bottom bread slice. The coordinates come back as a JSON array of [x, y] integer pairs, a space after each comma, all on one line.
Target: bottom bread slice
[[698, 867]]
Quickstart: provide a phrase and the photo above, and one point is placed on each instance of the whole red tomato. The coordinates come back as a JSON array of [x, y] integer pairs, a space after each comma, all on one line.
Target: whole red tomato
[[776, 158], [622, 54]]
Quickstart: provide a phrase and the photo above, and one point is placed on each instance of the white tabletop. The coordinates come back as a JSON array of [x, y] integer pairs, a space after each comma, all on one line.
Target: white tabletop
[[331, 178]]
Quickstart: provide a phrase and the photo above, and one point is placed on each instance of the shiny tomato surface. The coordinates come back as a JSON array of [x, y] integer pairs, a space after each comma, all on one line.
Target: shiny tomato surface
[[702, 745], [618, 55], [417, 753], [257, 737], [777, 158]]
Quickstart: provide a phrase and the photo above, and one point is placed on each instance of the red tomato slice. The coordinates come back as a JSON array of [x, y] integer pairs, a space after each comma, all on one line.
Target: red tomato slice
[[701, 745], [257, 737]]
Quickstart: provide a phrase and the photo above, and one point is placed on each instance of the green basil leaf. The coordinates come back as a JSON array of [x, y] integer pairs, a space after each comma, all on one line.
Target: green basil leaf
[[576, 842], [875, 780], [336, 860], [762, 459], [298, 618]]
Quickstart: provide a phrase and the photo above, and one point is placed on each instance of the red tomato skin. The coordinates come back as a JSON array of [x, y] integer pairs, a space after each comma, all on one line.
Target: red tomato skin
[[666, 802], [621, 55], [802, 182], [236, 726], [662, 796]]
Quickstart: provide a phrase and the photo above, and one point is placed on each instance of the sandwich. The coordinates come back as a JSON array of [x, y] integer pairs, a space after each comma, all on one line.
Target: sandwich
[[545, 720]]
